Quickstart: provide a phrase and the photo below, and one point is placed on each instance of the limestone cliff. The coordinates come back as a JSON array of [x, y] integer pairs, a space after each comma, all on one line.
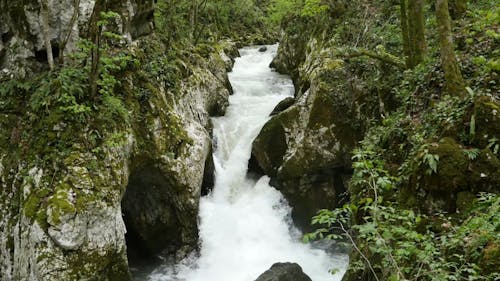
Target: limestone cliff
[[76, 190]]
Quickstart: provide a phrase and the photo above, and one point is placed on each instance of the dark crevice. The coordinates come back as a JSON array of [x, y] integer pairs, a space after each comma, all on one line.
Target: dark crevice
[[150, 216], [208, 175], [6, 37], [41, 55]]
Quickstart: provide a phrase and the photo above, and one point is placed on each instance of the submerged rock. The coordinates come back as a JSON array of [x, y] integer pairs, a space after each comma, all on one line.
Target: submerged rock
[[262, 49], [284, 272]]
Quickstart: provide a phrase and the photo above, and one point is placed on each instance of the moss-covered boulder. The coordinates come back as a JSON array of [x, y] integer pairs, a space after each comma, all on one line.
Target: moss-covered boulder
[[486, 116], [460, 173], [484, 172], [306, 149]]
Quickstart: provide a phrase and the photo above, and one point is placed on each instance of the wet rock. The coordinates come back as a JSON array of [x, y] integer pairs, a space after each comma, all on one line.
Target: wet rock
[[262, 49], [284, 272], [283, 105], [305, 150]]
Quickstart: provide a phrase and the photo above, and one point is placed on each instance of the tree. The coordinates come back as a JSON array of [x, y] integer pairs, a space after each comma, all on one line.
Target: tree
[[455, 84], [415, 26], [46, 32], [95, 31]]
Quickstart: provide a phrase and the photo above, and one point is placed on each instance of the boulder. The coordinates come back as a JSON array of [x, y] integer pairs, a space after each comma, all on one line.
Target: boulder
[[262, 49], [305, 149], [283, 105], [284, 272], [486, 121]]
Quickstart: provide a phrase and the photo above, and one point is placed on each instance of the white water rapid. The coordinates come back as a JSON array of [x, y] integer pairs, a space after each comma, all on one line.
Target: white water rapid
[[245, 224]]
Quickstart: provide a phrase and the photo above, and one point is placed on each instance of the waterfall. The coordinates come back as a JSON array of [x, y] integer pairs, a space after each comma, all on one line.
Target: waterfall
[[245, 223]]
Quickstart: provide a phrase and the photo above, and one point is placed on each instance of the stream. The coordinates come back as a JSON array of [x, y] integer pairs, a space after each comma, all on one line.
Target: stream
[[245, 224]]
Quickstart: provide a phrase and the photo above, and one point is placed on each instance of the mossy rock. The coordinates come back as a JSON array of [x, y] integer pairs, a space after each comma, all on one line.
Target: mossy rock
[[465, 200], [487, 121], [485, 172], [107, 265], [270, 146], [452, 167], [490, 261]]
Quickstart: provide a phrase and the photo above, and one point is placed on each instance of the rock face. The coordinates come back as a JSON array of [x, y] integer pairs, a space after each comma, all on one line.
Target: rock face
[[284, 272], [25, 25], [306, 147], [133, 184]]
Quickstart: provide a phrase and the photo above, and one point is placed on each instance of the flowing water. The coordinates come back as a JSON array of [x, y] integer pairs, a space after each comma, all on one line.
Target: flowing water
[[245, 224]]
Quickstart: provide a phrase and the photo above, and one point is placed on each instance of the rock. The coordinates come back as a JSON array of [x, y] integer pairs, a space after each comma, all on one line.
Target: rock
[[22, 22], [262, 49], [305, 149], [284, 272], [487, 121], [143, 177], [283, 105], [456, 174]]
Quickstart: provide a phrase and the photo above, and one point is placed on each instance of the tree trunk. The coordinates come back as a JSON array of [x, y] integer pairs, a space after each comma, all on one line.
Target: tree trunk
[[193, 18], [455, 84], [416, 32], [46, 32], [65, 39], [404, 30], [95, 36]]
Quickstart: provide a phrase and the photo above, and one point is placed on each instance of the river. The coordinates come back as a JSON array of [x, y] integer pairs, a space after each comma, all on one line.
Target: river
[[245, 224]]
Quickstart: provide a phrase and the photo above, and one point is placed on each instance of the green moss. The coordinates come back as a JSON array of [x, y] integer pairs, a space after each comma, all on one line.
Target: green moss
[[35, 206], [322, 112], [59, 203], [111, 265], [484, 172], [31, 205], [465, 201]]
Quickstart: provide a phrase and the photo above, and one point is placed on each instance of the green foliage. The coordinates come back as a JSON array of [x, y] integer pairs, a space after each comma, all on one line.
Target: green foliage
[[494, 145], [428, 160], [313, 8], [200, 21], [282, 9], [66, 91], [472, 153], [400, 244], [279, 9]]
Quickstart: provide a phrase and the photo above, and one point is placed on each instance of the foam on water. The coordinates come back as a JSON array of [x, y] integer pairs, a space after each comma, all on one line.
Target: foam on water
[[245, 224]]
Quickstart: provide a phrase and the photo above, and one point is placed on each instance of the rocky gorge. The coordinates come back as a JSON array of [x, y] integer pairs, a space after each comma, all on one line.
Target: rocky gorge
[[107, 138]]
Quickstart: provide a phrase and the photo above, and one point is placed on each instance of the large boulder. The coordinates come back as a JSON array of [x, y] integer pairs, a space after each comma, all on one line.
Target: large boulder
[[306, 147], [284, 272], [459, 171]]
